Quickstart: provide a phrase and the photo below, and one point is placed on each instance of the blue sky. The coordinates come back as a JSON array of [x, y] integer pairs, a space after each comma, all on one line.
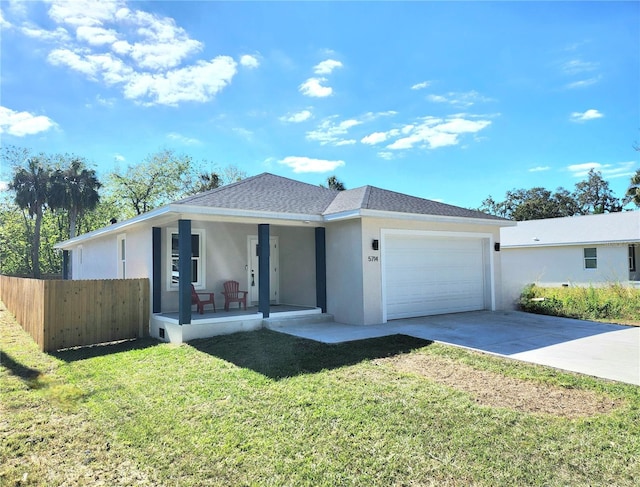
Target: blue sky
[[448, 101]]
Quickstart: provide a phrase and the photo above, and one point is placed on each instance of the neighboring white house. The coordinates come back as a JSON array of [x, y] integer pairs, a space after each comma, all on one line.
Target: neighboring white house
[[365, 255], [573, 251]]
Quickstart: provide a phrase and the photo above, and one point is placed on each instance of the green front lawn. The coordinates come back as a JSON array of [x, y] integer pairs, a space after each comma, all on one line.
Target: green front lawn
[[263, 408]]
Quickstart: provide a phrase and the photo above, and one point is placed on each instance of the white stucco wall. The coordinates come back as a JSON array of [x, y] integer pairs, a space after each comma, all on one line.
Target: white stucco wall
[[345, 293], [96, 259], [354, 269], [555, 266]]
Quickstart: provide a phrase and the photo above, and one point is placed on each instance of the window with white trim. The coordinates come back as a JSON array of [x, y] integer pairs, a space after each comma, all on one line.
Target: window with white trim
[[590, 258], [122, 256], [197, 259], [632, 258]]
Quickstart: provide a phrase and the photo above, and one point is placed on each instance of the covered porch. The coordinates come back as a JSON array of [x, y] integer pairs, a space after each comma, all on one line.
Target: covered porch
[[280, 265]]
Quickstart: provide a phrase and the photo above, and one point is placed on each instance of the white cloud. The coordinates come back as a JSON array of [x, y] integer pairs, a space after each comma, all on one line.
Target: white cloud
[[539, 169], [590, 114], [378, 137], [465, 99], [182, 139], [20, 124], [297, 117], [84, 12], [577, 66], [346, 142], [583, 83], [306, 164], [434, 132], [612, 171], [387, 155], [421, 86], [60, 34], [4, 186], [119, 157], [329, 132], [313, 87], [249, 61], [96, 36], [4, 23], [143, 53], [198, 82], [327, 67]]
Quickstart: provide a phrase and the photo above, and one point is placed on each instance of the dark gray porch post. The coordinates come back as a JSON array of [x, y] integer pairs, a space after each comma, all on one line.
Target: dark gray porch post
[[65, 264], [321, 269], [264, 276], [156, 271], [184, 268]]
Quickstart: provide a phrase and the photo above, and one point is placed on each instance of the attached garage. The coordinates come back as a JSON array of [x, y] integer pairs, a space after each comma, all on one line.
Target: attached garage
[[427, 274]]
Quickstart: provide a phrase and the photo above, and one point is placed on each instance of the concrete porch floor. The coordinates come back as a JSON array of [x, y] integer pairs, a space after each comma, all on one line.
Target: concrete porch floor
[[235, 312], [599, 349]]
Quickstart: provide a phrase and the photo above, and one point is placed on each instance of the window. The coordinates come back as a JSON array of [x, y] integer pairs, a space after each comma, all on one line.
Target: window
[[632, 258], [122, 256], [590, 258], [197, 259]]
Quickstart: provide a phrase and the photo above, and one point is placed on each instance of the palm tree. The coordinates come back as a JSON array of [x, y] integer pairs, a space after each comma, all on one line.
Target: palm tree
[[633, 193], [31, 185], [75, 189]]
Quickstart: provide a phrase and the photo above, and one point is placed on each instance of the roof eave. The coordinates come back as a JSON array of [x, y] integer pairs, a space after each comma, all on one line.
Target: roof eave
[[115, 228], [610, 243], [436, 218]]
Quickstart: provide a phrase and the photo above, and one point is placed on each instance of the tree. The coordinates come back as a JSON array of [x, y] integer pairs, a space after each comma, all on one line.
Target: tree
[[159, 179], [531, 204], [633, 192], [74, 189], [593, 195], [334, 183], [31, 185], [206, 182]]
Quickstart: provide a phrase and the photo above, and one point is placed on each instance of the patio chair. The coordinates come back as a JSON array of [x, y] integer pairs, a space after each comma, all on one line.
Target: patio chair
[[233, 295], [196, 299]]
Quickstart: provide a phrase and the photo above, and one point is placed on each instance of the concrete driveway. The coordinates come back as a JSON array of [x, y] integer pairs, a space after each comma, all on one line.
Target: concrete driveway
[[598, 349]]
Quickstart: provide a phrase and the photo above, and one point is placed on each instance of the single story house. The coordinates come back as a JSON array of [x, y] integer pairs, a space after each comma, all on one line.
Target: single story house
[[365, 255], [590, 250]]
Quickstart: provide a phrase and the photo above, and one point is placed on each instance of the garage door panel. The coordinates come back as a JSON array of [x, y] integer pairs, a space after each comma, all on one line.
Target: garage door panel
[[427, 275]]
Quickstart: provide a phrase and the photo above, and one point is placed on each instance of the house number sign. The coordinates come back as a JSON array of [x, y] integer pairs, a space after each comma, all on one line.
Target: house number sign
[[373, 258]]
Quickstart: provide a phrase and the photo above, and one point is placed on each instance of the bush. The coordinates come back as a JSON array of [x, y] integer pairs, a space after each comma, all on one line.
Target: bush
[[613, 302]]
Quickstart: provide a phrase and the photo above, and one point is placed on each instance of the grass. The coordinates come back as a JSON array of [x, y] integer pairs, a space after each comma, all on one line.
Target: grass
[[612, 303], [263, 408]]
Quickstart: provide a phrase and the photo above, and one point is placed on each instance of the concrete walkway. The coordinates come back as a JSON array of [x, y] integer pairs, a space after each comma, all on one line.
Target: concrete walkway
[[598, 349]]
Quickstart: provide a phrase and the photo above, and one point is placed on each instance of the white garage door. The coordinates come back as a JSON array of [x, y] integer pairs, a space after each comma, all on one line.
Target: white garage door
[[433, 275]]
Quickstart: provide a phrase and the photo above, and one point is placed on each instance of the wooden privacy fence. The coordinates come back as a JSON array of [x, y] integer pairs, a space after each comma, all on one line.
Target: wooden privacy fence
[[63, 314]]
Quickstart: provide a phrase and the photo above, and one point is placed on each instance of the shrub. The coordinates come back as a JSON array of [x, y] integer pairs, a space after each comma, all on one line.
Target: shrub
[[612, 302]]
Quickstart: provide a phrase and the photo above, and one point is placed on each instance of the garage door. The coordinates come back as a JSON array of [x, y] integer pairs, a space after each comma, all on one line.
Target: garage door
[[433, 275]]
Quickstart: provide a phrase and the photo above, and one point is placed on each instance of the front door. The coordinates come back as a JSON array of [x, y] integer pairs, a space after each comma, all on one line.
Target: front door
[[274, 281]]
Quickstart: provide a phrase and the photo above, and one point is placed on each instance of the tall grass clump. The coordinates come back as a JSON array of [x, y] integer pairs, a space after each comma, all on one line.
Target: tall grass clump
[[613, 302]]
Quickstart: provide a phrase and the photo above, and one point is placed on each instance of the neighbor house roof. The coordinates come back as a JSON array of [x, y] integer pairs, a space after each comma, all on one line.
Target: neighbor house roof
[[271, 197], [575, 230]]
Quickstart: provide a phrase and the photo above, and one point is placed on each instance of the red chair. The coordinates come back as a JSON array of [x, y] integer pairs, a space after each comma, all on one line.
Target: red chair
[[233, 295], [195, 299]]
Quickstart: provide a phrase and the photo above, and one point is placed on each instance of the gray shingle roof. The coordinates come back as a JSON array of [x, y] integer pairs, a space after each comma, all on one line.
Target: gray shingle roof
[[268, 192]]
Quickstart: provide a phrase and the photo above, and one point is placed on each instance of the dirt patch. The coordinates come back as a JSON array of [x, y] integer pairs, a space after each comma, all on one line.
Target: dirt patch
[[496, 390]]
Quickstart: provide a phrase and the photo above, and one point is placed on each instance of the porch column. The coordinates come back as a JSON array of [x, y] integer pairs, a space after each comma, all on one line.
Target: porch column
[[264, 276], [156, 271], [184, 269], [321, 269], [65, 264]]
